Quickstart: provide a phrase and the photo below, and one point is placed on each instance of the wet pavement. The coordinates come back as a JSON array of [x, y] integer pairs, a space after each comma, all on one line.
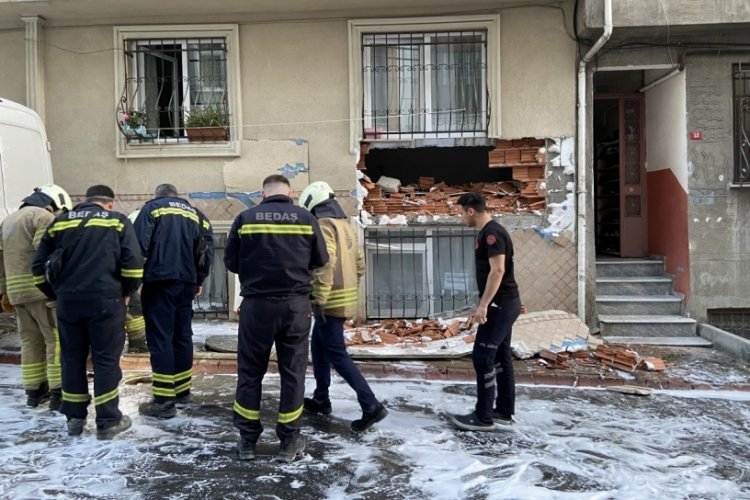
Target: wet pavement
[[568, 443]]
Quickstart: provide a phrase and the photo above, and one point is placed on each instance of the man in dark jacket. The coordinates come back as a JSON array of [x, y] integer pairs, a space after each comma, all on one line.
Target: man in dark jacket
[[90, 260], [177, 242], [274, 248]]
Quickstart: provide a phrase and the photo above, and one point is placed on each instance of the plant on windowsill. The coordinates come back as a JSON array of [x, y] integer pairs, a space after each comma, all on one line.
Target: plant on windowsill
[[133, 125], [210, 124]]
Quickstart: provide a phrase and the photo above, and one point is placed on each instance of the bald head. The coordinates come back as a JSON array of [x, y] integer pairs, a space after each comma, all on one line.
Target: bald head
[[276, 185]]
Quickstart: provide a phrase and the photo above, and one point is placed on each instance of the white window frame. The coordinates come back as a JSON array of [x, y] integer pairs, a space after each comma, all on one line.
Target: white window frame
[[230, 32], [358, 27]]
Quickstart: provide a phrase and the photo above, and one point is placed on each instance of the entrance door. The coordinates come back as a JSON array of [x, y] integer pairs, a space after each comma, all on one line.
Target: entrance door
[[620, 177]]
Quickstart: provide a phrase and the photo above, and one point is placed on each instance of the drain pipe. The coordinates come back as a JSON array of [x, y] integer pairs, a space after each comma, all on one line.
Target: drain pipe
[[581, 177]]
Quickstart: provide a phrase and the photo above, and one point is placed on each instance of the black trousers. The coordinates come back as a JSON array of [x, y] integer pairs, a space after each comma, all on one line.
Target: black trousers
[[493, 361], [97, 326], [168, 311], [263, 321]]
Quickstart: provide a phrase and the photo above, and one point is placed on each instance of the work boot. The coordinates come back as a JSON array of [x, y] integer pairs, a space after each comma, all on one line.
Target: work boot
[[245, 449], [156, 409], [471, 422], [38, 396], [317, 406], [370, 418], [501, 419], [55, 399], [75, 426], [124, 424], [137, 346], [291, 449], [183, 400]]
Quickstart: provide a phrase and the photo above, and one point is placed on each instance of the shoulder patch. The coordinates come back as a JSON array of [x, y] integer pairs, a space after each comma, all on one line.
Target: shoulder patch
[[491, 239]]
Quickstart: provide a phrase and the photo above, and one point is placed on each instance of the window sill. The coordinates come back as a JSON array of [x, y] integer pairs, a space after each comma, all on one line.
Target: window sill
[[178, 150], [736, 185]]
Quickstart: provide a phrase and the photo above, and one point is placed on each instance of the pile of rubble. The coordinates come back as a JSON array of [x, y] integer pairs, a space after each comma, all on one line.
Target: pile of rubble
[[525, 193], [409, 333], [610, 356]]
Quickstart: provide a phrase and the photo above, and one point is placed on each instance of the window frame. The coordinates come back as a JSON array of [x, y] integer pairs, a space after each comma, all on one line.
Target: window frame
[[230, 32], [358, 27], [737, 124]]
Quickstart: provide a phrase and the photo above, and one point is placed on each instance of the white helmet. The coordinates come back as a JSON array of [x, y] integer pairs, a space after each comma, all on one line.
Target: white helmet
[[60, 198], [134, 215], [315, 194]]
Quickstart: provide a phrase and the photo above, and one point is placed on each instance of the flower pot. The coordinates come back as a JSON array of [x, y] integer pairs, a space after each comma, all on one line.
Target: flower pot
[[208, 134]]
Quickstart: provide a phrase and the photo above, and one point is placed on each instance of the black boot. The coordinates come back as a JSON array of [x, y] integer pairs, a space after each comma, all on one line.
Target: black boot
[[137, 346], [291, 448], [158, 409], [182, 400], [370, 418], [55, 399], [75, 426], [37, 396], [110, 432], [245, 449], [315, 406]]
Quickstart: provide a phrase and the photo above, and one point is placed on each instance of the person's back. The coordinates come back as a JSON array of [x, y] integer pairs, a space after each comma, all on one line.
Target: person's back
[[274, 249], [169, 230], [90, 259], [177, 241]]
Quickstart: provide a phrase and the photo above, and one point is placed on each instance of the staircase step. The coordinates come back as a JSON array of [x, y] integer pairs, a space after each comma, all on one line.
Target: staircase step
[[629, 267], [650, 305], [647, 326], [661, 341], [634, 285]]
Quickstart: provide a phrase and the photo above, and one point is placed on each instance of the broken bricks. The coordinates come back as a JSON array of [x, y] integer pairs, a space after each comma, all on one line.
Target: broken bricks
[[405, 332]]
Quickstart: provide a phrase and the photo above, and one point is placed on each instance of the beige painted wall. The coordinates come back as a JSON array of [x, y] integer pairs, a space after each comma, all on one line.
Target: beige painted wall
[[538, 79], [13, 66], [290, 73]]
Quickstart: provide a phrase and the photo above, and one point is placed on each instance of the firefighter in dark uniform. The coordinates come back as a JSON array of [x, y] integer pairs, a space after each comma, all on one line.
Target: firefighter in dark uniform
[[177, 242], [274, 248], [90, 260]]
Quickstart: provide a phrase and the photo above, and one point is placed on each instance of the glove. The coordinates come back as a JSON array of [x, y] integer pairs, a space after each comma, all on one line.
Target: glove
[[7, 307], [319, 314]]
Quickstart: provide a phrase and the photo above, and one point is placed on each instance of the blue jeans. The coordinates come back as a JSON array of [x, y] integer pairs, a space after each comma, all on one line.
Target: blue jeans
[[328, 349]]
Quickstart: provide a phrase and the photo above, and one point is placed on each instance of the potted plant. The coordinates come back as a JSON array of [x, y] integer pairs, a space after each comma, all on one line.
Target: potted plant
[[133, 125], [208, 124]]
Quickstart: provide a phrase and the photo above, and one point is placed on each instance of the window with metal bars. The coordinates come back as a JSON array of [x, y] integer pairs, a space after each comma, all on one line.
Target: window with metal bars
[[735, 321], [173, 86], [741, 84], [425, 85], [417, 272]]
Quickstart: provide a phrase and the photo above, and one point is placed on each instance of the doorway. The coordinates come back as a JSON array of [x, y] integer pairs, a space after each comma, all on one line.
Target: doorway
[[619, 166]]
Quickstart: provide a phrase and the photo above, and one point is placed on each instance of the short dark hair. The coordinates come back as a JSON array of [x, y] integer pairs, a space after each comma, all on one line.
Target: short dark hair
[[276, 179], [165, 190], [473, 200], [100, 192]]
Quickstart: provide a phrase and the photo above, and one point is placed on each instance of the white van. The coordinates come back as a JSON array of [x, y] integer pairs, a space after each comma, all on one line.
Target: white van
[[24, 155]]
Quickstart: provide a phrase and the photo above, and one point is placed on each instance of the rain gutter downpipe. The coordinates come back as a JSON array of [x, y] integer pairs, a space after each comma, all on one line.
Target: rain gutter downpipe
[[581, 137]]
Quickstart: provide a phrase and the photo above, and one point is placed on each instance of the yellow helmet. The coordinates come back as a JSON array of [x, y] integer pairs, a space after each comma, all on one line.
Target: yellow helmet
[[60, 198], [315, 194]]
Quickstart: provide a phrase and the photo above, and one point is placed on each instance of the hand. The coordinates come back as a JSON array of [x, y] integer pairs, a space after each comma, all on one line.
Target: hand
[[126, 300], [7, 307], [198, 290], [480, 315], [319, 314], [523, 309]]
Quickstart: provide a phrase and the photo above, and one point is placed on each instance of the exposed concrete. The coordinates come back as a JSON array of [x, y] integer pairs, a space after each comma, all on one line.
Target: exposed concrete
[[718, 225], [725, 341]]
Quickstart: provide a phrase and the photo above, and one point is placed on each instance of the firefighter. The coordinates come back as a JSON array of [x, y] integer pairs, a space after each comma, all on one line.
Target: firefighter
[[274, 248], [20, 234], [135, 323], [90, 260], [177, 242], [335, 292]]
